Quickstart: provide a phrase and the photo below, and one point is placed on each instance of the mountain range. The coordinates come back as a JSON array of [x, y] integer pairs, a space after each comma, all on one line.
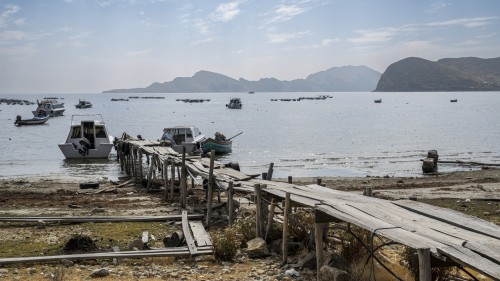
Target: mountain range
[[335, 79], [450, 74]]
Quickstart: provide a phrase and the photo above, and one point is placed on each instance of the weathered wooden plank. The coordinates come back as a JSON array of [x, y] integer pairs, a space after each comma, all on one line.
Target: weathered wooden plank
[[99, 219], [490, 250], [468, 258], [452, 217], [201, 237], [232, 173], [187, 234]]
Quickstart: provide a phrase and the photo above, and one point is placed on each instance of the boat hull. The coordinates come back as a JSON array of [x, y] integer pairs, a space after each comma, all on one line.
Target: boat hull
[[70, 152], [218, 146], [33, 121]]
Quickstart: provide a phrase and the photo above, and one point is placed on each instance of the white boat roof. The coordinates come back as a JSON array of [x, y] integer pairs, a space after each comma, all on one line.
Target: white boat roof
[[181, 127], [77, 119]]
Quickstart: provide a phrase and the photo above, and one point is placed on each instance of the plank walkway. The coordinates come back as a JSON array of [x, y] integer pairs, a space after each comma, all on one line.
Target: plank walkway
[[448, 235]]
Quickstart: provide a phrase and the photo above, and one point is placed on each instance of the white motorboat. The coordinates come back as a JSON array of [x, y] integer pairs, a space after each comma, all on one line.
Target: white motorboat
[[83, 104], [87, 138], [234, 103], [184, 136], [49, 107]]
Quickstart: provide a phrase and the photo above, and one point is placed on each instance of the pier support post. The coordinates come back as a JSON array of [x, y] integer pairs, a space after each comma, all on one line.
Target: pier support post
[[285, 228], [141, 176], [258, 211], [368, 191], [183, 180], [150, 173], [424, 264], [210, 188], [290, 179], [165, 178], [318, 239], [230, 203], [270, 217], [172, 180], [270, 172]]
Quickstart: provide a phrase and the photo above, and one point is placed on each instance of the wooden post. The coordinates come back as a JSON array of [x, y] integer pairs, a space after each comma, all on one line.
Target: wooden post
[[172, 181], [150, 174], [318, 181], [424, 264], [210, 188], [132, 158], [230, 202], [183, 180], [258, 211], [141, 176], [318, 239], [270, 217], [368, 191], [270, 172], [165, 178], [290, 181], [285, 228]]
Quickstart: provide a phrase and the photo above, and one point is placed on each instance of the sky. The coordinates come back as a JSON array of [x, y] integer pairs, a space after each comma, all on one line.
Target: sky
[[89, 46]]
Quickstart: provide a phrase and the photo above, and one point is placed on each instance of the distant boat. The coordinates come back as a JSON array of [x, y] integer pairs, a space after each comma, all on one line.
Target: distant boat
[[251, 92], [49, 107], [32, 121], [378, 101], [234, 103], [87, 138], [83, 104], [453, 100]]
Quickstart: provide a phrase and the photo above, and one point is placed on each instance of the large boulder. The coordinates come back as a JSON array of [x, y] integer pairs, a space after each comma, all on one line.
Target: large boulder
[[257, 248]]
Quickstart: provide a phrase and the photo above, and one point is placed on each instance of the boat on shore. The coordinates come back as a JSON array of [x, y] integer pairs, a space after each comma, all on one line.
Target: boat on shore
[[83, 104], [234, 103], [49, 107], [33, 121], [189, 137], [87, 138]]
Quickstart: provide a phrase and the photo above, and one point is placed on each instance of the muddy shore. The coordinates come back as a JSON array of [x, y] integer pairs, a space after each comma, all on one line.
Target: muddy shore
[[476, 193]]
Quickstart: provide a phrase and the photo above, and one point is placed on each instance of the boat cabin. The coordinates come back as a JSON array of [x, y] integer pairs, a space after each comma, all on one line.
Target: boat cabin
[[179, 136]]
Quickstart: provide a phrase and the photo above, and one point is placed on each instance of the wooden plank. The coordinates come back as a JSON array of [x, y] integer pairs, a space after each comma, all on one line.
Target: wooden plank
[[489, 250], [201, 237], [187, 234], [99, 219], [468, 258], [232, 173], [452, 217]]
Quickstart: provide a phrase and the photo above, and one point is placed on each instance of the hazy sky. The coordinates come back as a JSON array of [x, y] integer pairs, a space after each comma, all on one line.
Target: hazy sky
[[58, 46]]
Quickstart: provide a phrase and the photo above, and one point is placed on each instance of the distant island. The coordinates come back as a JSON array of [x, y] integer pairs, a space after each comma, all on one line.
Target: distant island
[[450, 74], [335, 79], [407, 75]]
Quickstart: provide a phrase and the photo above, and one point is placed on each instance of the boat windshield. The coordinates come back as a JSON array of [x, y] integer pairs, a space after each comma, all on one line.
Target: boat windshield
[[76, 132], [100, 132]]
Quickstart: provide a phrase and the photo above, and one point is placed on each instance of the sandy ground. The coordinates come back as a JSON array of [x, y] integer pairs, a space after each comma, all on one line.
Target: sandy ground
[[35, 196]]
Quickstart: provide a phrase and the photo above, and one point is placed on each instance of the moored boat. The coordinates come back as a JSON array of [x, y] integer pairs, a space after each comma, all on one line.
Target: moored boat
[[378, 101], [184, 136], [83, 104], [219, 144], [49, 107], [33, 121], [453, 100], [87, 138], [234, 103]]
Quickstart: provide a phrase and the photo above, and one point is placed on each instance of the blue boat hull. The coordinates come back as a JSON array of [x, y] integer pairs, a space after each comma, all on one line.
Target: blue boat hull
[[218, 146]]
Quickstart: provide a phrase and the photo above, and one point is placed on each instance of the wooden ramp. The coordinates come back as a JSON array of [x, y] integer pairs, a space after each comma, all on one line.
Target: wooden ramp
[[447, 235]]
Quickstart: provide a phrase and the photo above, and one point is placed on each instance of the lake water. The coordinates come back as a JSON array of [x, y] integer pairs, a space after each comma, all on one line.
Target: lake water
[[346, 135]]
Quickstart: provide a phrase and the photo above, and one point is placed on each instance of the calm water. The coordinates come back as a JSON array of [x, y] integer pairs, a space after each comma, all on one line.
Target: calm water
[[347, 135]]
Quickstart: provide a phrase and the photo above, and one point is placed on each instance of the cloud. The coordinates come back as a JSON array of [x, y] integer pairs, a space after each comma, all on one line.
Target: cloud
[[76, 40], [285, 37], [202, 41], [465, 22], [9, 36], [436, 6], [373, 36], [6, 12], [286, 12], [226, 11]]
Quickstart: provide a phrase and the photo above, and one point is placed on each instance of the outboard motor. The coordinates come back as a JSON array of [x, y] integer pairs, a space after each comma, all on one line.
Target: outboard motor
[[233, 165], [84, 146]]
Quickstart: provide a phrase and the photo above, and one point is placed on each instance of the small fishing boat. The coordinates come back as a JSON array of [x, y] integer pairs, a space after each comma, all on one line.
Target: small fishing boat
[[234, 103], [219, 144], [378, 101], [83, 104], [33, 121], [453, 100], [87, 138], [184, 136], [49, 107], [251, 92]]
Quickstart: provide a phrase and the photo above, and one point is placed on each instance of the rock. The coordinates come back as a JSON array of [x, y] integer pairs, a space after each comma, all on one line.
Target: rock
[[328, 273], [31, 270], [257, 248], [67, 263], [292, 273], [135, 245], [103, 272], [98, 210], [3, 271], [307, 260], [40, 224]]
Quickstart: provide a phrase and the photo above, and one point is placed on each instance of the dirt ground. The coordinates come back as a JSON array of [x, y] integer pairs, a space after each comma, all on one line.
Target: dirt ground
[[473, 192]]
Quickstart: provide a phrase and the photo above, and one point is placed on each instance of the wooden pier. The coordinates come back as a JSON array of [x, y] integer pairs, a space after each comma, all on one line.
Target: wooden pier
[[440, 236]]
